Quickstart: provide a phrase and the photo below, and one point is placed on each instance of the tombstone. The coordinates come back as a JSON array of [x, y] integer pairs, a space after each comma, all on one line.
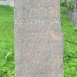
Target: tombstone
[[7, 2], [75, 4], [70, 11], [74, 14], [38, 38]]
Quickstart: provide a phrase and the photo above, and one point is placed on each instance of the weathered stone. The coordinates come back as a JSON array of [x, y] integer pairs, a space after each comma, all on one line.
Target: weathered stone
[[75, 4], [7, 2], [38, 38]]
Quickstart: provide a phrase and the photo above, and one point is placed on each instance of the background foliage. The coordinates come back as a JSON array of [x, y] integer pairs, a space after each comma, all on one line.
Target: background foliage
[[70, 48], [6, 41]]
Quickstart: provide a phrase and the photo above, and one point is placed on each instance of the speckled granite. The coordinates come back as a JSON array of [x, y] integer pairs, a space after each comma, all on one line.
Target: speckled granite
[[38, 38]]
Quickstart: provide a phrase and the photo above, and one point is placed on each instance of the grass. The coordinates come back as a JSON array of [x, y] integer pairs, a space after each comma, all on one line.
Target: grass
[[7, 43], [70, 49]]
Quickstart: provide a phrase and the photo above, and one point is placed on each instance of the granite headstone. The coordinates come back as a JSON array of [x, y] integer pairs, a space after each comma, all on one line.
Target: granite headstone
[[38, 38]]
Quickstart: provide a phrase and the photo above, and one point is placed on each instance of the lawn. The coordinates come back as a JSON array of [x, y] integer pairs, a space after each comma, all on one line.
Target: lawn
[[6, 42], [70, 48], [7, 66]]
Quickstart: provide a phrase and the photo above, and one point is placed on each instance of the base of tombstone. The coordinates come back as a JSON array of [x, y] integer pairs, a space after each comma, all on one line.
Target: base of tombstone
[[74, 17], [70, 11], [76, 26]]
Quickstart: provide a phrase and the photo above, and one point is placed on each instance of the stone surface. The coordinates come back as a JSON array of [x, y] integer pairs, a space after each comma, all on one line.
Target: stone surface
[[7, 2], [75, 4], [38, 38], [73, 14]]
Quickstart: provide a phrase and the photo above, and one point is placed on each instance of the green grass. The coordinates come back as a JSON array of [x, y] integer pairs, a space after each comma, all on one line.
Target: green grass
[[70, 49], [66, 0], [6, 42], [7, 68]]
